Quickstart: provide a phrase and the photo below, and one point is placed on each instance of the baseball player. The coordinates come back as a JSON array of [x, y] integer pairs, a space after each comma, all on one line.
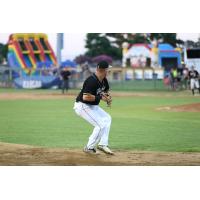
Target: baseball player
[[96, 88], [194, 79]]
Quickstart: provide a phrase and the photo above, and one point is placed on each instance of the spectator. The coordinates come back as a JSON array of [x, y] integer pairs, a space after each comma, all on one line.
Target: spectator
[[172, 78], [65, 73], [185, 78]]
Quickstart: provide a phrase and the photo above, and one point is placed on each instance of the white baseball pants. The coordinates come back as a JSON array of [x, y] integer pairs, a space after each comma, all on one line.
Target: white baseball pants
[[194, 83], [98, 118]]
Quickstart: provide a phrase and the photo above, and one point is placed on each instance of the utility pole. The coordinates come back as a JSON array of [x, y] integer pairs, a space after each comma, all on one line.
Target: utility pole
[[60, 45]]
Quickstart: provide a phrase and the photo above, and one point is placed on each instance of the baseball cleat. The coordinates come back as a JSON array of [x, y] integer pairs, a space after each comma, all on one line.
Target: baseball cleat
[[105, 149], [91, 151]]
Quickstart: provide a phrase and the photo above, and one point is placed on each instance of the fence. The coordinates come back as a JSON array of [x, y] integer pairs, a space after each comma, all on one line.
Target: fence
[[120, 78]]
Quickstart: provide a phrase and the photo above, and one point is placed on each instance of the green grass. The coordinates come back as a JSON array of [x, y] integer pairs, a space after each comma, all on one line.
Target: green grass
[[136, 124]]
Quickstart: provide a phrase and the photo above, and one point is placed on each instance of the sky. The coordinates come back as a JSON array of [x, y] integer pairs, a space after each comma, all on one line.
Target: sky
[[74, 42]]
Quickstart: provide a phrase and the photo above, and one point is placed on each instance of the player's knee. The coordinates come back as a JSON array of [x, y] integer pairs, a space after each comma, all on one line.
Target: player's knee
[[100, 125]]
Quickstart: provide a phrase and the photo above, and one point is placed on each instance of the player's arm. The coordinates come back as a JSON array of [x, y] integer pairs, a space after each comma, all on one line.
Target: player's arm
[[92, 98], [88, 91], [89, 97]]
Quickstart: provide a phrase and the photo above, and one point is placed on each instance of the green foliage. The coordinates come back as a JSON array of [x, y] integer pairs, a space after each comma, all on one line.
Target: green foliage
[[98, 44], [3, 52], [170, 38], [111, 43], [137, 38], [192, 44]]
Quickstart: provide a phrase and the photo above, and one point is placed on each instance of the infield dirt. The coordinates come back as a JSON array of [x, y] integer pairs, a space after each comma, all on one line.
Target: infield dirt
[[24, 155]]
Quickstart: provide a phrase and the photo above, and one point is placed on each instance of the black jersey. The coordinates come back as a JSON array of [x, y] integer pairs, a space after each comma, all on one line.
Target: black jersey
[[193, 74], [65, 74], [93, 86]]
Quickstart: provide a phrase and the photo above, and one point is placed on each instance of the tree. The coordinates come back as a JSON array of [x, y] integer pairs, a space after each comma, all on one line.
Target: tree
[[192, 44], [81, 59], [111, 43], [170, 38], [98, 44], [3, 52], [131, 38], [134, 38]]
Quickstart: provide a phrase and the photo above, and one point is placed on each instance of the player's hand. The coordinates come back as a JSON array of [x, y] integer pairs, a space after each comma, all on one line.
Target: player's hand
[[107, 98]]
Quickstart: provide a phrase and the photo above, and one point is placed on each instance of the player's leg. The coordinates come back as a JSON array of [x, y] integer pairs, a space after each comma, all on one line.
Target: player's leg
[[67, 85], [90, 115], [107, 121], [103, 144], [63, 86], [192, 85]]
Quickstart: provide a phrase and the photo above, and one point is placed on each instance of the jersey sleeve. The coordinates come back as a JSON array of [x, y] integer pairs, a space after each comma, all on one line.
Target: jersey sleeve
[[88, 87]]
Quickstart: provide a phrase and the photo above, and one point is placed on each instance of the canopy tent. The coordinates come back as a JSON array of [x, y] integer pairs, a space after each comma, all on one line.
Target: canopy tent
[[68, 63]]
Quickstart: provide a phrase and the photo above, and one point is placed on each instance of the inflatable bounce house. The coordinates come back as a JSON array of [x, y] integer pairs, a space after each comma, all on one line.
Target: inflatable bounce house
[[147, 55], [33, 60]]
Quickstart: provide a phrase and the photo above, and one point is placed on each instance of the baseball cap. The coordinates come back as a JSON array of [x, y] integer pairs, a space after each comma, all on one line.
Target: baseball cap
[[103, 65]]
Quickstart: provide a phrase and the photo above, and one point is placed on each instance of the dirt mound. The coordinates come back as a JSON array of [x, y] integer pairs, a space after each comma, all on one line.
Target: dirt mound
[[72, 94], [37, 95], [195, 107], [18, 155], [14, 96]]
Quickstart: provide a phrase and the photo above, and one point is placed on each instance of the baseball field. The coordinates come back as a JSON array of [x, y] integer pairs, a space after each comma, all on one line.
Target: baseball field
[[39, 127]]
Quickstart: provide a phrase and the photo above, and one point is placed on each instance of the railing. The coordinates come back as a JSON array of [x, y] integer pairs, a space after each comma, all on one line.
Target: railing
[[122, 74]]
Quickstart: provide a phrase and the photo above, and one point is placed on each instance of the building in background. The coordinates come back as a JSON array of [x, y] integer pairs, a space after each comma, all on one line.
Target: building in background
[[148, 55]]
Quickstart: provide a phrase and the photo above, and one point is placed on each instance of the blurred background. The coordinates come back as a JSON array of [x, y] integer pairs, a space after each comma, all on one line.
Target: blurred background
[[141, 61]]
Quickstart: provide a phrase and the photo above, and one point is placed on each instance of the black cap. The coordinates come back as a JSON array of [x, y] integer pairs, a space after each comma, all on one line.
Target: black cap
[[103, 65]]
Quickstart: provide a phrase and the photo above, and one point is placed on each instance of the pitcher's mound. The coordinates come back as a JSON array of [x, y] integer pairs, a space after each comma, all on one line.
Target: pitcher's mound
[[195, 107], [14, 154]]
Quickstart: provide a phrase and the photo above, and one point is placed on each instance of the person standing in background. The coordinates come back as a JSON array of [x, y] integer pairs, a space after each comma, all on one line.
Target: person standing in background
[[185, 77], [65, 73]]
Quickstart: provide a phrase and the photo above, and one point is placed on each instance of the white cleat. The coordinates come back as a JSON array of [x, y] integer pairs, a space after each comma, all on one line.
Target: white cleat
[[105, 149]]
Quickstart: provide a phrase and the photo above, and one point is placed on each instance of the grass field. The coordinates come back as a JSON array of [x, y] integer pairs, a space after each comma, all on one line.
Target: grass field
[[136, 125]]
